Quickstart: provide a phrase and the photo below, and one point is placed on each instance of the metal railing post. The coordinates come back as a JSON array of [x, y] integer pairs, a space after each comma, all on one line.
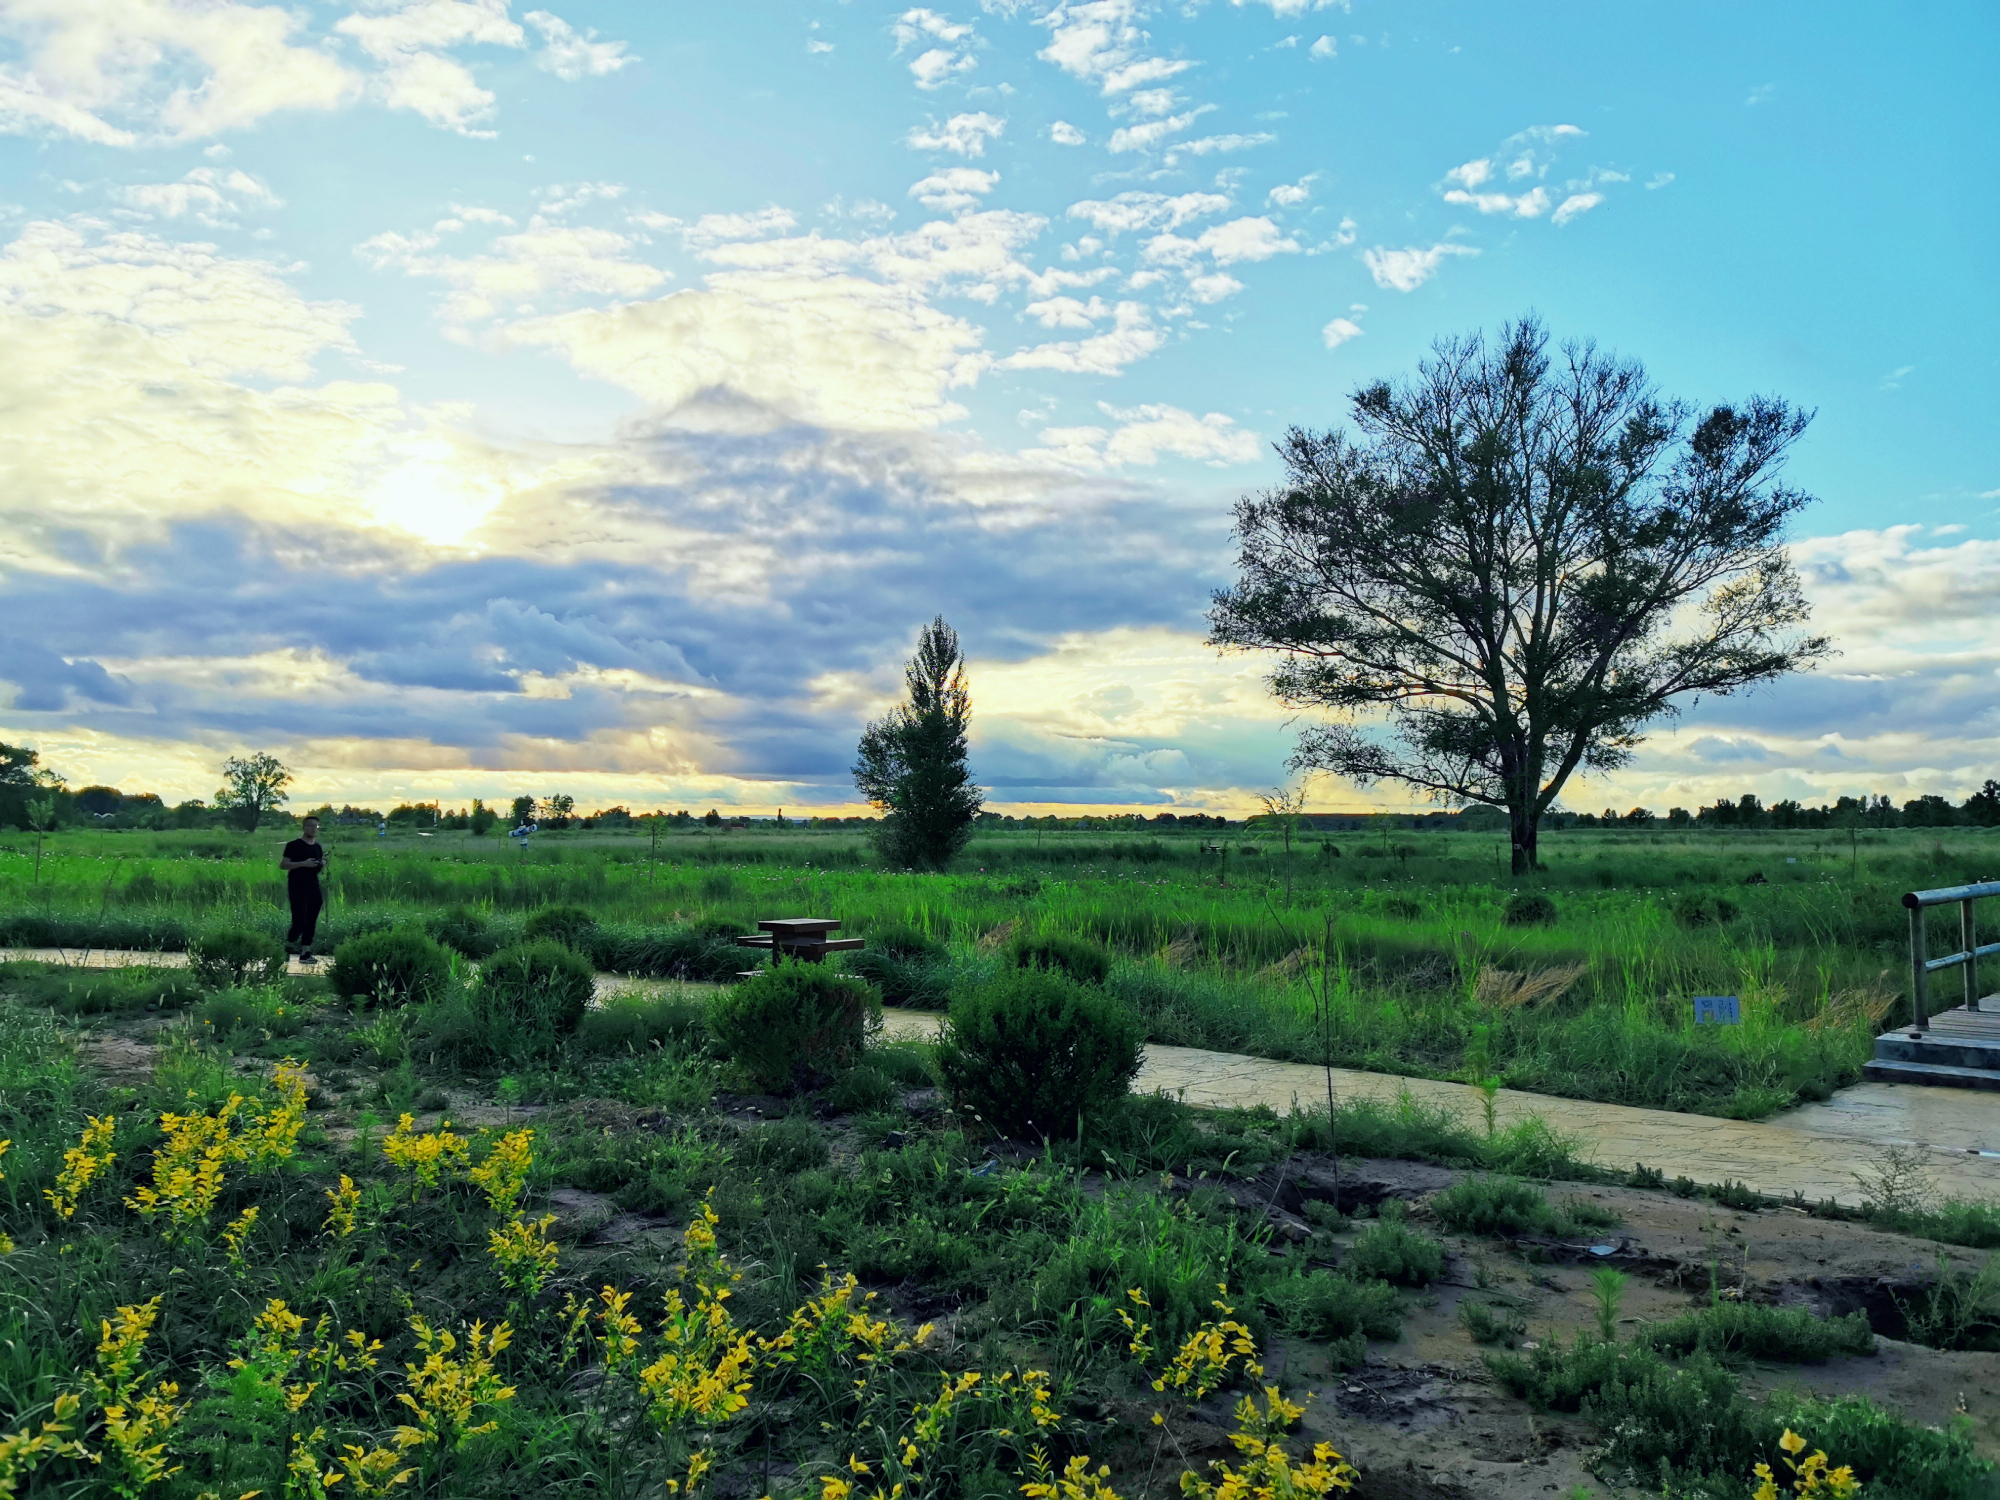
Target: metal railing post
[[1919, 972], [1970, 947]]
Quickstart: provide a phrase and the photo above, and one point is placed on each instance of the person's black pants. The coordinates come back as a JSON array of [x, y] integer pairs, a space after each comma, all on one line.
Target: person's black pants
[[305, 916]]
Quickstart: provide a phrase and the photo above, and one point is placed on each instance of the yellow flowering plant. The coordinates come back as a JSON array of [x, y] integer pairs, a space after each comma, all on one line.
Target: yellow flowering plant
[[6, 1242], [504, 1173], [135, 1421], [344, 1207], [23, 1452], [82, 1164], [524, 1254], [1270, 1471], [1812, 1474], [447, 1391], [427, 1155]]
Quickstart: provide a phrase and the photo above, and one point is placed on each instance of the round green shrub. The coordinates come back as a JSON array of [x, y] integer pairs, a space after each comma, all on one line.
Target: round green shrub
[[569, 925], [1692, 909], [1080, 958], [234, 957], [532, 995], [640, 1022], [794, 1026], [1529, 909], [1032, 1050], [390, 968], [464, 930]]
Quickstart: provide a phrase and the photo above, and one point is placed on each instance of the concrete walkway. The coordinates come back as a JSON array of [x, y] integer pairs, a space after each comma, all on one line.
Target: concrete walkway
[[1816, 1150]]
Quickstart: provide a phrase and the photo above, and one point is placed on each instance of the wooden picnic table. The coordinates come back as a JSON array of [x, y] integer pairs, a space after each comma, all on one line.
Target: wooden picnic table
[[802, 939]]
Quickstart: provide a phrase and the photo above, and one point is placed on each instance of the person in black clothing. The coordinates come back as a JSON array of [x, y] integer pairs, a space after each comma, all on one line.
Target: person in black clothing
[[302, 861]]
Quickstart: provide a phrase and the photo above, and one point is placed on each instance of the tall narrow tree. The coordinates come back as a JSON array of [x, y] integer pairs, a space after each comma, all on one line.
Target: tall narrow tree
[[912, 762], [1522, 562]]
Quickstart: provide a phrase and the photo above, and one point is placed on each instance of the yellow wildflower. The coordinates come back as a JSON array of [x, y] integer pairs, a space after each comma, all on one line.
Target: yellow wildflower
[[445, 1392], [137, 1421], [427, 1156], [82, 1163], [233, 1236], [524, 1254], [346, 1203], [505, 1171], [1077, 1481], [23, 1452]]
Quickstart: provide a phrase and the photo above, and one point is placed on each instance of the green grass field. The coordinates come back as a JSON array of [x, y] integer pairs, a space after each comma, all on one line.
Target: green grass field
[[1405, 929]]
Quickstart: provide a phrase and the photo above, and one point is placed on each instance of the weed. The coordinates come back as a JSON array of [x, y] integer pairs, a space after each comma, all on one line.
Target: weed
[[1748, 1330], [1389, 1250], [1488, 1323]]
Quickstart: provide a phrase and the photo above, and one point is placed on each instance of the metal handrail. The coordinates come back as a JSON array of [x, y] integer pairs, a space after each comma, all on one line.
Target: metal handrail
[[1922, 966]]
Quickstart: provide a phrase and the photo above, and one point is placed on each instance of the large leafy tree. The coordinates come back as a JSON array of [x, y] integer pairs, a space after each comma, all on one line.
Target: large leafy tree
[[253, 785], [1520, 560], [912, 762]]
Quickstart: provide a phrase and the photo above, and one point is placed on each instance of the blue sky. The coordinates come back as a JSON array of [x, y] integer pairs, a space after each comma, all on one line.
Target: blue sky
[[457, 399]]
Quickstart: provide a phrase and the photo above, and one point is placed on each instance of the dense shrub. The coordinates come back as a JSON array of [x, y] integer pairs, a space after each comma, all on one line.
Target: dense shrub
[[532, 995], [234, 956], [572, 926], [389, 968], [78, 992], [905, 966], [794, 1026], [252, 1009], [669, 952], [1746, 1330], [464, 930], [1488, 1324], [1032, 1051], [1080, 958], [1497, 1205], [1693, 909], [902, 941], [1389, 1250], [634, 1022], [1529, 909], [1323, 1305]]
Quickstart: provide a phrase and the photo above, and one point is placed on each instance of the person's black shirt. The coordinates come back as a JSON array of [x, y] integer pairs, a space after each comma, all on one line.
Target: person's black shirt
[[303, 882]]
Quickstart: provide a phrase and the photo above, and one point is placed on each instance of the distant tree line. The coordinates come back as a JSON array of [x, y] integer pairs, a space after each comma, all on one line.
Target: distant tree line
[[1980, 810]]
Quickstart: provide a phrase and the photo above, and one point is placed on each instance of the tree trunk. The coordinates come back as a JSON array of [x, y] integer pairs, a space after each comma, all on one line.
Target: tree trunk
[[1521, 822]]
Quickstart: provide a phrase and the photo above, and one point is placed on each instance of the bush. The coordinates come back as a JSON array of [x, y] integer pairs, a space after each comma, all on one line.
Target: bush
[[1497, 1205], [635, 1022], [389, 968], [916, 980], [532, 995], [252, 1009], [234, 957], [1490, 1325], [794, 1026], [1324, 1305], [1032, 1052], [79, 992], [1080, 958], [1529, 909], [462, 929], [571, 926], [1692, 910], [1389, 1250], [902, 941], [1745, 1330]]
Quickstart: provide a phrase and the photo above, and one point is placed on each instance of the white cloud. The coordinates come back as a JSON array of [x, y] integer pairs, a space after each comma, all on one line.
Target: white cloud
[[1152, 102], [1324, 48], [1132, 338], [1238, 240], [123, 72], [813, 44], [571, 56], [1144, 434], [1339, 331], [1100, 42], [1068, 312], [208, 194], [561, 197], [936, 65], [214, 313], [1210, 144], [1065, 134], [1145, 137], [1291, 194], [954, 189], [1576, 204], [1136, 210], [545, 258], [963, 135], [1285, 8], [1659, 180], [717, 229], [1406, 270], [1213, 287]]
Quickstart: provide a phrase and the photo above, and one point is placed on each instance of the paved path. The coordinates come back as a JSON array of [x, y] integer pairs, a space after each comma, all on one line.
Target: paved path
[[1815, 1150]]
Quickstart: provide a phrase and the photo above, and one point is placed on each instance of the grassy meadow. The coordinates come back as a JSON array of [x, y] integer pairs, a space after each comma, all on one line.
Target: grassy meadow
[[1405, 930], [264, 1238]]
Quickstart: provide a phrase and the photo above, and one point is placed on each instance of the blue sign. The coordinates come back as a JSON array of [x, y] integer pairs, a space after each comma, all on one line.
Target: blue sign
[[1717, 1010]]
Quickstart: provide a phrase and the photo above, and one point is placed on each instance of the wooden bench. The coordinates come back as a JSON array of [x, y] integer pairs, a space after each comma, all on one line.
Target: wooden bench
[[805, 940]]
